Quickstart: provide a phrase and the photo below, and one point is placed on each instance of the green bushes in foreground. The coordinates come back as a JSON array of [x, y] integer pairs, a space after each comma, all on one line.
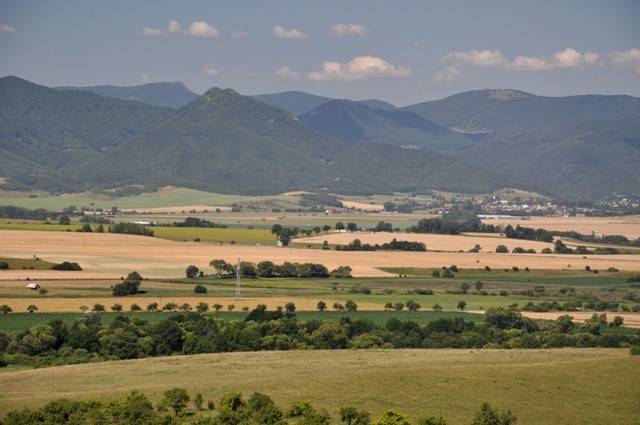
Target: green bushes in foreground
[[232, 409], [203, 332]]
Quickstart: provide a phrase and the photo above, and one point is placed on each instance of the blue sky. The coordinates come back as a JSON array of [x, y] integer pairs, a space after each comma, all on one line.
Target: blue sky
[[400, 51]]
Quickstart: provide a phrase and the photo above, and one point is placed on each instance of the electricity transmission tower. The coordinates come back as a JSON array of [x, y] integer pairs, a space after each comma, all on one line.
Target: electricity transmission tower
[[238, 280]]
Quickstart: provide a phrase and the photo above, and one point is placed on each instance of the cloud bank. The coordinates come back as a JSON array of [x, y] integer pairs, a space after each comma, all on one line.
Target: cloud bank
[[199, 29], [291, 34], [359, 68]]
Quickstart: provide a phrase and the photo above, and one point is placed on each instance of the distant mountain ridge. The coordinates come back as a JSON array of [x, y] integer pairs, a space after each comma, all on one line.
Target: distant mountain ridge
[[162, 95], [74, 140]]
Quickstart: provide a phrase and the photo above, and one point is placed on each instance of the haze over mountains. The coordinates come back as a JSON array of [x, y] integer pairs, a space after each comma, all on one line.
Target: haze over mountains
[[99, 137]]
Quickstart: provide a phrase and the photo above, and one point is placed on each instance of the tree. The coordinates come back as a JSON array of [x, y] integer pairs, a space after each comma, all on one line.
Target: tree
[[339, 226], [266, 269], [202, 307], [617, 321], [341, 272], [31, 308], [177, 399], [491, 416], [502, 249], [152, 307], [464, 287], [198, 401], [116, 307], [276, 229], [352, 227], [248, 269], [98, 307], [412, 305], [230, 307], [321, 306], [64, 219], [220, 266], [392, 418], [351, 305], [398, 306], [200, 289], [192, 271], [217, 307], [388, 306], [462, 305], [479, 285], [185, 307], [351, 416], [337, 306], [290, 307], [135, 307]]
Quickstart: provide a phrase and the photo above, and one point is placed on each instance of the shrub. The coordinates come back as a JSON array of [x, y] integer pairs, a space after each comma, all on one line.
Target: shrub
[[351, 305], [4, 265], [200, 289], [66, 265], [502, 249], [192, 271], [116, 307]]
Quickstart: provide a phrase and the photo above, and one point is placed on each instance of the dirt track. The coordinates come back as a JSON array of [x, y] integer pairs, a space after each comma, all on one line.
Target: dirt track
[[110, 255]]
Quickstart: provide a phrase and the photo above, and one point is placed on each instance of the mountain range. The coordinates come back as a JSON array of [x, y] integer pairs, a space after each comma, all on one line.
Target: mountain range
[[74, 139]]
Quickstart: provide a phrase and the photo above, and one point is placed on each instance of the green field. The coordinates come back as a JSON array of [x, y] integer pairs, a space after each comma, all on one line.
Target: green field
[[170, 198], [19, 321], [213, 235], [541, 387], [26, 263]]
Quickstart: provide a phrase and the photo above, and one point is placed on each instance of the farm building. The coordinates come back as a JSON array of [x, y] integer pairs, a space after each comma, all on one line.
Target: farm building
[[33, 286]]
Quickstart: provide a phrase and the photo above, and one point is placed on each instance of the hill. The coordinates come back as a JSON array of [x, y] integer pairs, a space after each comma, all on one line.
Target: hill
[[355, 121], [43, 130], [294, 102], [572, 146], [162, 95]]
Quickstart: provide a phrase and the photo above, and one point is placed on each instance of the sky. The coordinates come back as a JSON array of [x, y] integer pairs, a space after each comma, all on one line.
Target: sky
[[400, 51]]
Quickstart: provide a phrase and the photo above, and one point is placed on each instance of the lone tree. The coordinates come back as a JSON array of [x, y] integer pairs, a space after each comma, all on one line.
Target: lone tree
[[502, 249], [321, 306], [462, 305], [192, 271], [5, 309], [290, 307], [339, 226], [177, 399], [352, 227], [33, 308], [351, 305], [116, 307]]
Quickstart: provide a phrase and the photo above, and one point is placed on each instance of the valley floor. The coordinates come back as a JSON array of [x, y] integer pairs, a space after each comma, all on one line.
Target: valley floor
[[541, 387]]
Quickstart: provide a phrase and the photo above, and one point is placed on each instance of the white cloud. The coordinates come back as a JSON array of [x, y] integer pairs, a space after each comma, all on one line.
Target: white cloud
[[200, 29], [239, 34], [359, 68], [447, 75], [347, 29], [567, 58], [628, 58], [6, 28], [145, 78], [292, 34], [286, 72], [211, 69]]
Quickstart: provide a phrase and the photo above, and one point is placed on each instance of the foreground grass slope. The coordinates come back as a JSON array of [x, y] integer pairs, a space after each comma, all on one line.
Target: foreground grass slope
[[561, 386]]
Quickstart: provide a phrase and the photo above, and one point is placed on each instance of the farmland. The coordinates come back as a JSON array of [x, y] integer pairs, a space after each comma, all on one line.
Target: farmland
[[539, 386]]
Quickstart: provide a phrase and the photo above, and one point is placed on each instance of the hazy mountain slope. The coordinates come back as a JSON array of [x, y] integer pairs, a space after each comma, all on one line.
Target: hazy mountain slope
[[223, 142], [163, 95], [378, 104], [355, 122], [295, 102], [60, 128]]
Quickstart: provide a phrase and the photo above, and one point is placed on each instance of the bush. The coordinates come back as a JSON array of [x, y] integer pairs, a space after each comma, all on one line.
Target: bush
[[67, 266], [4, 265], [200, 289], [502, 249], [192, 271]]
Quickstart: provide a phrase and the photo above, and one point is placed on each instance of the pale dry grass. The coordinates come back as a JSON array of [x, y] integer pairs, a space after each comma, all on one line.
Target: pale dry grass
[[112, 255], [364, 206], [433, 242], [541, 387], [50, 305], [628, 226]]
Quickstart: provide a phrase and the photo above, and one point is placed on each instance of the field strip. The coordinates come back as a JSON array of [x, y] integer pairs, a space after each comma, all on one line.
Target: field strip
[[60, 305], [113, 255]]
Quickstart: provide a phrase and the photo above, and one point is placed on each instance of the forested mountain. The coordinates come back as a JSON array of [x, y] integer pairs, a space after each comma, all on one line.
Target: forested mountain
[[162, 95], [43, 130], [572, 146], [356, 122], [71, 140]]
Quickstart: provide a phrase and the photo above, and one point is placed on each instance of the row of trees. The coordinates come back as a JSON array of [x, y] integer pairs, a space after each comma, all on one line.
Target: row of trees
[[268, 269], [178, 407], [192, 333]]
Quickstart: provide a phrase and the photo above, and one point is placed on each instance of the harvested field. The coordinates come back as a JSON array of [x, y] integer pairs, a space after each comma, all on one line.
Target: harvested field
[[112, 255], [628, 226], [364, 206], [46, 305], [541, 387], [183, 209], [434, 242]]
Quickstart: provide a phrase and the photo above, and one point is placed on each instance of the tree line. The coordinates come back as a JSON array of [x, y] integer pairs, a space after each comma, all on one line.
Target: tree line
[[178, 407], [87, 339]]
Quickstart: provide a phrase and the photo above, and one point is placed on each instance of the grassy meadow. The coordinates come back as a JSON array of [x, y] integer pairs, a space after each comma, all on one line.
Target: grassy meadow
[[541, 387]]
